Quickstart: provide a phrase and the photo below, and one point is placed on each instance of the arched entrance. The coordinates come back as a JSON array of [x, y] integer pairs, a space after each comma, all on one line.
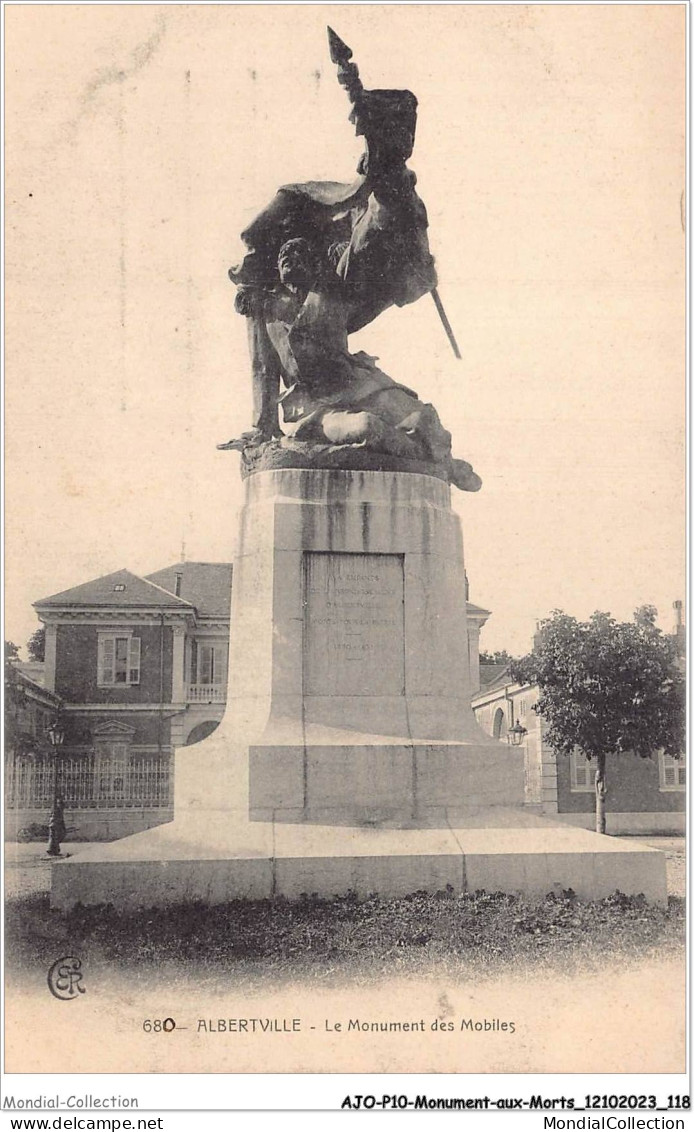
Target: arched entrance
[[500, 727]]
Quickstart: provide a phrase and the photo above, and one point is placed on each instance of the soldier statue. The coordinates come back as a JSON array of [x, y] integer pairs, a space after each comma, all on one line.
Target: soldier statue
[[325, 259]]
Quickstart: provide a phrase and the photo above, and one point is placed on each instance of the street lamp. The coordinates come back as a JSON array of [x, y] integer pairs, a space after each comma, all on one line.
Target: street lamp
[[516, 734], [56, 822]]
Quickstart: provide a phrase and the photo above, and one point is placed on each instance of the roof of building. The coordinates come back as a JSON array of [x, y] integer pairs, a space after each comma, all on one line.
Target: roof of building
[[491, 674], [33, 688], [477, 613], [120, 589], [33, 670], [472, 608], [206, 585]]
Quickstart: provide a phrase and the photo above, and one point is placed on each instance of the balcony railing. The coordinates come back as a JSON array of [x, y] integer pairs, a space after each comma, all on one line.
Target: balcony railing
[[207, 693]]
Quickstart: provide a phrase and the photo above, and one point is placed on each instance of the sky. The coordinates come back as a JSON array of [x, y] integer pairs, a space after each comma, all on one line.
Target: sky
[[141, 139]]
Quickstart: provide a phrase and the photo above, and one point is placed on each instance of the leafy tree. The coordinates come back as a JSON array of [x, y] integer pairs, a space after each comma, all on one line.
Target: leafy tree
[[607, 687], [499, 657], [36, 645], [15, 698]]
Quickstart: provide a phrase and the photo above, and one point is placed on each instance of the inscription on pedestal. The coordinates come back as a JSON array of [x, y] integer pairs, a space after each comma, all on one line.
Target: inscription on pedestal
[[354, 631]]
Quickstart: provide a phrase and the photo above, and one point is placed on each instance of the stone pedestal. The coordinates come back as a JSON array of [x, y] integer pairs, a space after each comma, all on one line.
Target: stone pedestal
[[349, 757], [349, 689]]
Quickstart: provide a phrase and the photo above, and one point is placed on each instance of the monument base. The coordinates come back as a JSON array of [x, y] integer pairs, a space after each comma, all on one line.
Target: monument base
[[349, 758], [227, 858]]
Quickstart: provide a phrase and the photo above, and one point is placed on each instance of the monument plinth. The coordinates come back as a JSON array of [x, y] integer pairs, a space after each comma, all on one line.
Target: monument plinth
[[349, 758], [349, 692]]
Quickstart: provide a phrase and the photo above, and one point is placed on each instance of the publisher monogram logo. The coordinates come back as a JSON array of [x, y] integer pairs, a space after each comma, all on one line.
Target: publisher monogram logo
[[65, 978]]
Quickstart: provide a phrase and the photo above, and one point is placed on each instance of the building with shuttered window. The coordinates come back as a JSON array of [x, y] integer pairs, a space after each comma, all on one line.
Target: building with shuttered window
[[139, 667], [643, 795]]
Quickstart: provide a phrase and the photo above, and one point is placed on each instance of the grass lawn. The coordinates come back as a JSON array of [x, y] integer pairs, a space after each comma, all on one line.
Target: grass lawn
[[319, 939]]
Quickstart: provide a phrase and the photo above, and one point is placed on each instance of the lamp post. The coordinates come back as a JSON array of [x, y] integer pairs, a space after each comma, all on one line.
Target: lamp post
[[56, 822], [516, 734]]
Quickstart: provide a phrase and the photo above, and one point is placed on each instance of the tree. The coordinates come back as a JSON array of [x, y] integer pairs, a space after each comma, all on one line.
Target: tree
[[12, 685], [499, 657], [607, 687], [15, 699], [36, 645]]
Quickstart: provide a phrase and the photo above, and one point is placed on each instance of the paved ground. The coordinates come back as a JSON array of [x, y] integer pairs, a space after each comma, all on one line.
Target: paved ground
[[27, 868]]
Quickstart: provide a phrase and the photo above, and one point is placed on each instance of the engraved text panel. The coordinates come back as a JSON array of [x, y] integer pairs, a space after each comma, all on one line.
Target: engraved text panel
[[354, 624]]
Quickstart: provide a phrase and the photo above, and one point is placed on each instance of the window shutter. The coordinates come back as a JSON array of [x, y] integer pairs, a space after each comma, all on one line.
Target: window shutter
[[222, 663], [673, 773], [219, 664], [107, 659], [206, 654], [134, 661], [583, 774], [193, 662]]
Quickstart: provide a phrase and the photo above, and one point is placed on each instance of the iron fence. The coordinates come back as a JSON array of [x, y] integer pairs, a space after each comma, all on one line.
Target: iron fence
[[90, 781]]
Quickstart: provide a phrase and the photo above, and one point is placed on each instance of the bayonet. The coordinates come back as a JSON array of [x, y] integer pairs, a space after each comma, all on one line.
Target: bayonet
[[446, 324]]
